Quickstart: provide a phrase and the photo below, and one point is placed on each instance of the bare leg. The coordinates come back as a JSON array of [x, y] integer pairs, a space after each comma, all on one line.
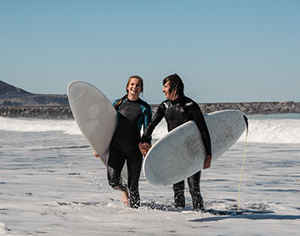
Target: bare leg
[[125, 197]]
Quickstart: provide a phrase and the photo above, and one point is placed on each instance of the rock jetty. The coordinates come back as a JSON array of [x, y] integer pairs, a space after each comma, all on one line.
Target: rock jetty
[[40, 112], [64, 112], [251, 108]]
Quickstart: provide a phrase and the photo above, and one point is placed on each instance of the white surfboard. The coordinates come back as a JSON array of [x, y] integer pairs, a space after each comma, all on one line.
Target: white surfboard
[[181, 153], [95, 117]]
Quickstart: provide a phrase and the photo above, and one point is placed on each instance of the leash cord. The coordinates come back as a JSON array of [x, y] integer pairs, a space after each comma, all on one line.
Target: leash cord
[[239, 193]]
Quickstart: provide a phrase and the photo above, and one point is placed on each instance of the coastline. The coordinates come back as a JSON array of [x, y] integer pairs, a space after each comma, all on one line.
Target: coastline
[[64, 112]]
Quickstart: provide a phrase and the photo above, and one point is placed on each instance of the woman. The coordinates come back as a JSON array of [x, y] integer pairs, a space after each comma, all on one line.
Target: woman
[[133, 113]]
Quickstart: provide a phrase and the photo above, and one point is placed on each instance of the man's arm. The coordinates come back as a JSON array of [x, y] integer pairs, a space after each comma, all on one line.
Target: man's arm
[[155, 121], [194, 109], [143, 145]]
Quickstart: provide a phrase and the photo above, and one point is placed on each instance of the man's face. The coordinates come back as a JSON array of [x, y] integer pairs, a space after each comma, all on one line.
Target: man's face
[[166, 90]]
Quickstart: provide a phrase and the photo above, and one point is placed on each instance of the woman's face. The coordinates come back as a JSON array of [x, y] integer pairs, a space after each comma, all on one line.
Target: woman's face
[[134, 87]]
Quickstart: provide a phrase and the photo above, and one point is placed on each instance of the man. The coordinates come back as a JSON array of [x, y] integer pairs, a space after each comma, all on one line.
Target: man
[[177, 110]]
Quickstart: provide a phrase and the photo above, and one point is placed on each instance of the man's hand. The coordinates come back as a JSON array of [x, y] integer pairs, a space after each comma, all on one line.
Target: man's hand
[[144, 148], [95, 154], [207, 162]]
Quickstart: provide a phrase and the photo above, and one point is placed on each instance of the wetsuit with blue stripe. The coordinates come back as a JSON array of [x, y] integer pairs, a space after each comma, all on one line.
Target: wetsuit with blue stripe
[[132, 115], [176, 113]]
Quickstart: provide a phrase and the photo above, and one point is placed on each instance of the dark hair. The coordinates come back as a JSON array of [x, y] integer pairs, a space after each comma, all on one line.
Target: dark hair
[[175, 84], [125, 96]]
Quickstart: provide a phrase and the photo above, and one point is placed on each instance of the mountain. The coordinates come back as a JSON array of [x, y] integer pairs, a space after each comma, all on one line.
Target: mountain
[[14, 96], [7, 90]]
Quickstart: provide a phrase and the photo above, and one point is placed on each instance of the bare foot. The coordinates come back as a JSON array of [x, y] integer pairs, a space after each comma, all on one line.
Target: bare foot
[[125, 197]]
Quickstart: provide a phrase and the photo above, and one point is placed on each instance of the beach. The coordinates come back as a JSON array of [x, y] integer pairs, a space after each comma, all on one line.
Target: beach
[[51, 184]]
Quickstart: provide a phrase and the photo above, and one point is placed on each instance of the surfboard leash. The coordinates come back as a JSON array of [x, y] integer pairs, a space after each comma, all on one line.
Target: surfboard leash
[[242, 168]]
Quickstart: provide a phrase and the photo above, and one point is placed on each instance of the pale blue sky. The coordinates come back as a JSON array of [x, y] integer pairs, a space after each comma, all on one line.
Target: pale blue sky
[[224, 50]]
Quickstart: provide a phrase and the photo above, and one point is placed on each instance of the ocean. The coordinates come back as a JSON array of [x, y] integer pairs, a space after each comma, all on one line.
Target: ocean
[[51, 184]]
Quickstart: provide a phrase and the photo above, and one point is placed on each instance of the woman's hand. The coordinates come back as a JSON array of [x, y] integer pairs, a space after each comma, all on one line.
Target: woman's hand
[[144, 148]]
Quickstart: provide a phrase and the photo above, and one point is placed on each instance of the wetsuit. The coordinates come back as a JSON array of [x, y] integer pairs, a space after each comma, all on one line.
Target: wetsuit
[[132, 115], [176, 113]]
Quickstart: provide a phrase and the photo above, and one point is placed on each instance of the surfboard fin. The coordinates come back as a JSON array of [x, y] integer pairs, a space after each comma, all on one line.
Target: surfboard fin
[[246, 120]]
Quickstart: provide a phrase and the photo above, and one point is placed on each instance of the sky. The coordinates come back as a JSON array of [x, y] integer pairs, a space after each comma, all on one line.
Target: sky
[[224, 50]]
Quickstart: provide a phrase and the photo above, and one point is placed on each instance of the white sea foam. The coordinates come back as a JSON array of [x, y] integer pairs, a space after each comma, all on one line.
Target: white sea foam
[[38, 125], [284, 128]]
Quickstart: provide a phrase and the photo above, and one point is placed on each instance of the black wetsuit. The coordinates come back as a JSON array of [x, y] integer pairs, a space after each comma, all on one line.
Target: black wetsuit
[[132, 115], [176, 113]]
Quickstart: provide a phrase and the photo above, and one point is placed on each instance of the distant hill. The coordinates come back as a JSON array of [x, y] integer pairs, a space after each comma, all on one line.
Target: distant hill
[[14, 96], [7, 90]]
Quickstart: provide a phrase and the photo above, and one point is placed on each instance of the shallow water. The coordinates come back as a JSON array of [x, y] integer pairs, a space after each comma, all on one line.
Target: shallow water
[[50, 184]]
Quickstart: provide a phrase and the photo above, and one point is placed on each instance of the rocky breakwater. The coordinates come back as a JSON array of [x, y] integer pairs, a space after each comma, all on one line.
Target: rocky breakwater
[[251, 108], [40, 112], [64, 112]]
